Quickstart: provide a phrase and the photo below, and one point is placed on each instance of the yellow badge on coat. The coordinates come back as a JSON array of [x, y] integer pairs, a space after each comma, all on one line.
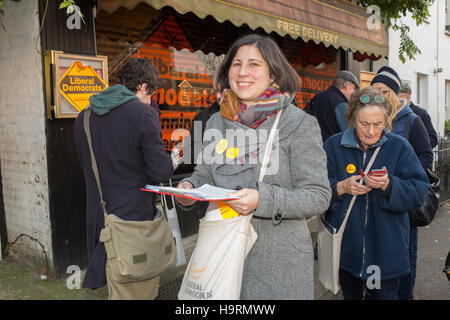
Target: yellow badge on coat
[[351, 168], [221, 146], [232, 153]]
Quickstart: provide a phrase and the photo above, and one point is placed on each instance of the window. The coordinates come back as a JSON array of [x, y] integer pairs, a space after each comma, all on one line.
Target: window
[[447, 99], [447, 16], [422, 90]]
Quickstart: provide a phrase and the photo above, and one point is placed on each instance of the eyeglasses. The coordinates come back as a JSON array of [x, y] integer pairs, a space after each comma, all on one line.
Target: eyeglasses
[[364, 99]]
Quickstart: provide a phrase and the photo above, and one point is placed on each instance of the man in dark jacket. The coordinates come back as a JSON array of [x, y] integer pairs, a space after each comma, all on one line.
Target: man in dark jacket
[[405, 93], [329, 106], [126, 140]]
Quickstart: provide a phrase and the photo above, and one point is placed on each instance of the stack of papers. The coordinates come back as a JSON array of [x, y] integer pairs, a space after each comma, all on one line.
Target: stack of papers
[[203, 193]]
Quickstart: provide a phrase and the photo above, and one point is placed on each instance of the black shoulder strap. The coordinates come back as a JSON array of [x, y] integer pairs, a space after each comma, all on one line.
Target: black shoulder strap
[[87, 130]]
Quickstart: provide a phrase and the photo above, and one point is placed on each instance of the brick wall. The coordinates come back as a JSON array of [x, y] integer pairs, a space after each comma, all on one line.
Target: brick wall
[[22, 131]]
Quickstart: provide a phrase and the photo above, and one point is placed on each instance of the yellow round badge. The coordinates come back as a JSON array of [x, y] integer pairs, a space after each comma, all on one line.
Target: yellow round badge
[[221, 146], [232, 153], [351, 168]]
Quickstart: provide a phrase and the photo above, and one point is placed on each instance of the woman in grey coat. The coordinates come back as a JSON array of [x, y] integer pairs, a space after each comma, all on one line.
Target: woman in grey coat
[[257, 82]]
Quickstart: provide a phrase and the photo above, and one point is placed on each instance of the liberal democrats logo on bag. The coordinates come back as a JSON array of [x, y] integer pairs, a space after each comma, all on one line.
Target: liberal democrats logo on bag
[[194, 287]]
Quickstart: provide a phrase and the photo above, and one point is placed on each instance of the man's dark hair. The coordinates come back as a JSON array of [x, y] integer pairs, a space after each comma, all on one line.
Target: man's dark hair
[[280, 69], [138, 71]]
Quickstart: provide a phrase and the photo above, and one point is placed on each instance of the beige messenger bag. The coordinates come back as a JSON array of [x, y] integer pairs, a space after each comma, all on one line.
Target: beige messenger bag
[[136, 250]]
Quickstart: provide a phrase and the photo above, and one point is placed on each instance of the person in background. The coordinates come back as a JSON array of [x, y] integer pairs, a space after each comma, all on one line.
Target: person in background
[[405, 93], [408, 125], [257, 83], [329, 106], [126, 140], [195, 140], [377, 230], [388, 82]]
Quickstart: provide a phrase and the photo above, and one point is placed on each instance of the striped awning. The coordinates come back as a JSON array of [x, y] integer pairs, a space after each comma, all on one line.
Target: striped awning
[[338, 23]]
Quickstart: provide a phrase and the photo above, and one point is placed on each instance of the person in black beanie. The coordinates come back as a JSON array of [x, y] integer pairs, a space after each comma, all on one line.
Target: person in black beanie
[[410, 126], [405, 93], [388, 83]]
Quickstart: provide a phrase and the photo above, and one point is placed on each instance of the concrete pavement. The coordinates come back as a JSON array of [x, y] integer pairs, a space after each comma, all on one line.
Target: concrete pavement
[[20, 282], [433, 247]]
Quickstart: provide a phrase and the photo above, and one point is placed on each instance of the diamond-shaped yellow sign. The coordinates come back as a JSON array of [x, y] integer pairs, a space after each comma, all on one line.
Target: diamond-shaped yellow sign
[[79, 83]]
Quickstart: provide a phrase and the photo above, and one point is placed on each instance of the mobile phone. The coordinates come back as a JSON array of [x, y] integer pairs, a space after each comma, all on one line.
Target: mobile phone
[[377, 172]]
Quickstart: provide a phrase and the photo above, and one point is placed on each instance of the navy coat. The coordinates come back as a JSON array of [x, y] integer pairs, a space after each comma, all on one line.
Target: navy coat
[[426, 119], [377, 230], [418, 136], [324, 105], [130, 154]]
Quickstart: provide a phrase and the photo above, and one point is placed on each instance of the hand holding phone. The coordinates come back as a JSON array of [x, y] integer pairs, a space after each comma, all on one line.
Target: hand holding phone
[[377, 172], [378, 179]]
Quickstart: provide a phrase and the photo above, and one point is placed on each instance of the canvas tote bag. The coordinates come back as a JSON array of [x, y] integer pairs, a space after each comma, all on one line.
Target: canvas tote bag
[[217, 263], [136, 250], [329, 244]]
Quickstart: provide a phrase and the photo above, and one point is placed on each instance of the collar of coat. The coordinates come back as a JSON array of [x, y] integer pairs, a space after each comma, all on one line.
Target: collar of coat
[[348, 139]]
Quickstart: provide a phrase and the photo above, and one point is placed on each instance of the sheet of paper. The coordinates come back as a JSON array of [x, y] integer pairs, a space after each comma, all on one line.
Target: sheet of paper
[[203, 193]]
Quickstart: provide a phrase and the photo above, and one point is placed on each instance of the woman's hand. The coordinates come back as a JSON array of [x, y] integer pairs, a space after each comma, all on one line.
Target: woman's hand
[[377, 182], [185, 201], [352, 186], [247, 202]]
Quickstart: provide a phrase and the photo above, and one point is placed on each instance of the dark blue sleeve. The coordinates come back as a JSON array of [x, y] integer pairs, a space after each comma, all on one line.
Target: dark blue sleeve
[[158, 164], [329, 148], [421, 143], [408, 183], [432, 134], [340, 115]]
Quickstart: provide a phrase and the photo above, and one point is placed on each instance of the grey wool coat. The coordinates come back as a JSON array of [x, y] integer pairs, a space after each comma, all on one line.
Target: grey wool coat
[[281, 263]]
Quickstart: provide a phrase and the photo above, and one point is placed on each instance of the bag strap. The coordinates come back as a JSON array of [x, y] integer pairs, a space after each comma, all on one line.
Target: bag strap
[[352, 202], [163, 197], [407, 126], [268, 149], [87, 130]]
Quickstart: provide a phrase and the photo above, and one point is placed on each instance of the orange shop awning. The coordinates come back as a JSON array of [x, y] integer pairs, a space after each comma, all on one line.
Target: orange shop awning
[[331, 22]]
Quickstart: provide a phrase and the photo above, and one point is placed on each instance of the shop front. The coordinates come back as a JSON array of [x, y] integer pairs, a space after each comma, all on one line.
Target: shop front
[[187, 41]]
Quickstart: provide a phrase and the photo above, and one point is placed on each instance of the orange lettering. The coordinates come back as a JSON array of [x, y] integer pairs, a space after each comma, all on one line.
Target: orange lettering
[[171, 97]]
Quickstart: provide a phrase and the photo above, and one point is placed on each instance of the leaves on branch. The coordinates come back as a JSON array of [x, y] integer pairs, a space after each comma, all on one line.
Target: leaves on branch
[[391, 13]]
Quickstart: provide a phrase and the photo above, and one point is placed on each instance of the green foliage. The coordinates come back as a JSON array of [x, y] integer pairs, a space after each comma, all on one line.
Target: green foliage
[[391, 13], [447, 125], [406, 44], [1, 7], [71, 7], [66, 4]]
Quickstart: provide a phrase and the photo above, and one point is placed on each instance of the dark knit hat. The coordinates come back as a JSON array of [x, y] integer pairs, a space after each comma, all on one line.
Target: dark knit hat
[[389, 77], [406, 88]]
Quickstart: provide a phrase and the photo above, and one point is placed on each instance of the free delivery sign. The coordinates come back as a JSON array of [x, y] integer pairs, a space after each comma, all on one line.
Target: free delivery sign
[[79, 83]]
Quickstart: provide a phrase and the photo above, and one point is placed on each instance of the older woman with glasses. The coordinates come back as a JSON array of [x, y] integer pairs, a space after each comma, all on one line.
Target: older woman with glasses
[[374, 252]]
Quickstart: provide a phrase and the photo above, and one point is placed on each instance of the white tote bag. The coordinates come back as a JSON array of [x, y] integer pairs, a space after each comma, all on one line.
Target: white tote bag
[[217, 263], [329, 245], [216, 266]]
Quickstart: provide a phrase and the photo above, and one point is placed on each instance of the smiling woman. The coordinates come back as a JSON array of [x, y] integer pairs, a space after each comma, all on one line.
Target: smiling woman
[[249, 74], [258, 86]]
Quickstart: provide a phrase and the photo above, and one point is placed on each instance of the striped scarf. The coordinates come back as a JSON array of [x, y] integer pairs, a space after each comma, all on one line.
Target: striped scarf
[[268, 104]]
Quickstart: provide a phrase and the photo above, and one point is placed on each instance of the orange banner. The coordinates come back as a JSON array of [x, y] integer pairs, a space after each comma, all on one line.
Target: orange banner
[[175, 126]]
